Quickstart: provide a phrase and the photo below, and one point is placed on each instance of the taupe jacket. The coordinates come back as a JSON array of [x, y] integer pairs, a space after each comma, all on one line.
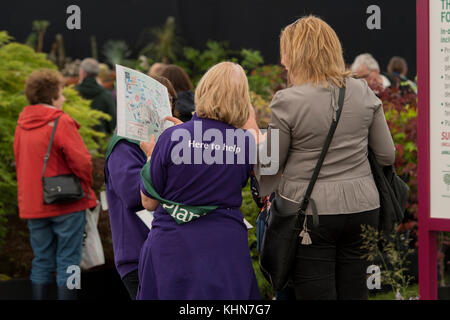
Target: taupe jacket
[[303, 115]]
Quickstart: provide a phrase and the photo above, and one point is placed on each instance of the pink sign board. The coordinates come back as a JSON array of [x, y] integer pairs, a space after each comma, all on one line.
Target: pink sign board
[[433, 75]]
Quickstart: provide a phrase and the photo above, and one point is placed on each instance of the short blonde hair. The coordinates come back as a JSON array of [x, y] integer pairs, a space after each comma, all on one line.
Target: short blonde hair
[[222, 94], [312, 53]]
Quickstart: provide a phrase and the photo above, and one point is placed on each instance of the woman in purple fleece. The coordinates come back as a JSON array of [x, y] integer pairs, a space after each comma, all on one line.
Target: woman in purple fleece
[[198, 245], [124, 161]]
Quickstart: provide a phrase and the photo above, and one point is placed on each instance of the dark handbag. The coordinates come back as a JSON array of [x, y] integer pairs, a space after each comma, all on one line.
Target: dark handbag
[[283, 230], [394, 194], [62, 188]]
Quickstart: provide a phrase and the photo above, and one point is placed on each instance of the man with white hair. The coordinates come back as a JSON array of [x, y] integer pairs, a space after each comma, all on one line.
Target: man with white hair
[[366, 67], [90, 89]]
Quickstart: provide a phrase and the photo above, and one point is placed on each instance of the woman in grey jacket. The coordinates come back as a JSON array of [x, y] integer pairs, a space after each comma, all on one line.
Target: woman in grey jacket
[[345, 193]]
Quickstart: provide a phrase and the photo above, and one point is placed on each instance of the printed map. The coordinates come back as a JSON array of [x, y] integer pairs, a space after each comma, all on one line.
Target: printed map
[[142, 105]]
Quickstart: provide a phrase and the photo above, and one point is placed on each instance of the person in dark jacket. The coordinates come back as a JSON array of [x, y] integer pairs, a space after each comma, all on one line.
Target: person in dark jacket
[[184, 88], [90, 89]]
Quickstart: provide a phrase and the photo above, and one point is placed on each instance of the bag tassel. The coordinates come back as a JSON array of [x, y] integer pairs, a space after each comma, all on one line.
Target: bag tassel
[[305, 235]]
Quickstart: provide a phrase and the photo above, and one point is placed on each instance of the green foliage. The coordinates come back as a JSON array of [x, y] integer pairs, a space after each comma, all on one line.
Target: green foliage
[[263, 80], [165, 44], [116, 52], [4, 38], [401, 115], [250, 211], [4, 277], [251, 59], [197, 62], [412, 291], [31, 40], [17, 61], [392, 251], [40, 25], [162, 44], [40, 28], [262, 109]]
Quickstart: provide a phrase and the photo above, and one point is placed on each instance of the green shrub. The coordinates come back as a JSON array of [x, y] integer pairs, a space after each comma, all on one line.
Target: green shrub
[[264, 80], [251, 59], [17, 61], [390, 252], [197, 62], [164, 42]]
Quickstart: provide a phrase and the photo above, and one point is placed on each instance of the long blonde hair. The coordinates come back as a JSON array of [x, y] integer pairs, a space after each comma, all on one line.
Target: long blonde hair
[[222, 94], [312, 53]]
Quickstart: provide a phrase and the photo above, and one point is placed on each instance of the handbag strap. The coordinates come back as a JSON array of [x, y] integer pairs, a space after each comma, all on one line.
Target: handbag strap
[[47, 155], [307, 198]]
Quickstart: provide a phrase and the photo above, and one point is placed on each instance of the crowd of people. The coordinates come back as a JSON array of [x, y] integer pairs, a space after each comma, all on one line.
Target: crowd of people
[[207, 255]]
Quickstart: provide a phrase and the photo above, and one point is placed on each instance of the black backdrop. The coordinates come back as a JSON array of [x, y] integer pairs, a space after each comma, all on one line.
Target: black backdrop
[[254, 24]]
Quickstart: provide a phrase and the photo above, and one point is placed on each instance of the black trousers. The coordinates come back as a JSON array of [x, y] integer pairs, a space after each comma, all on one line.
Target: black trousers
[[331, 267], [131, 282]]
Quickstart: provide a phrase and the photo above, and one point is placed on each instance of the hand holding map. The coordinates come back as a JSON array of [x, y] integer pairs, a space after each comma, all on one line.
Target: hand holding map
[[142, 105], [148, 147]]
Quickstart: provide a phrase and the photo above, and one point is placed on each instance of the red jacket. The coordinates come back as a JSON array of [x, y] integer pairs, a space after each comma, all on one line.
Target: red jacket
[[69, 155]]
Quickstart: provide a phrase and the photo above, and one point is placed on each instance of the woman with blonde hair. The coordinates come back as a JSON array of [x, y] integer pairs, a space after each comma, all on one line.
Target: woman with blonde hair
[[197, 247], [345, 194]]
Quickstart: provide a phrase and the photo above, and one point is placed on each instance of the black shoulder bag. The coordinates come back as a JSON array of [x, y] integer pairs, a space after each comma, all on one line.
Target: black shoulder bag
[[280, 238], [62, 188]]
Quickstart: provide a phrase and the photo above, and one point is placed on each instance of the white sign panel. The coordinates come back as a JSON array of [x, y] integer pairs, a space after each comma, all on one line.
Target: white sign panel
[[439, 109]]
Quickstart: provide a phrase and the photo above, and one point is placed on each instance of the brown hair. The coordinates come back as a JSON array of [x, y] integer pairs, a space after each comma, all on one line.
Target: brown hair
[[222, 94], [178, 77], [397, 65], [312, 53], [166, 82], [42, 86], [156, 68]]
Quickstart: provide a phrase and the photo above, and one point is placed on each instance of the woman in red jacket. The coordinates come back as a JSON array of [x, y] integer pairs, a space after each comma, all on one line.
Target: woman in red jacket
[[56, 230]]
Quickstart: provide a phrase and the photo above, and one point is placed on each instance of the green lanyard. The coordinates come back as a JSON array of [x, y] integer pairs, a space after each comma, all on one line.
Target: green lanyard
[[114, 140], [180, 212]]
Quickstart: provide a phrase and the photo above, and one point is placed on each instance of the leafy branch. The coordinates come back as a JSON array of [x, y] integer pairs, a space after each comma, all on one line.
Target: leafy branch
[[393, 252]]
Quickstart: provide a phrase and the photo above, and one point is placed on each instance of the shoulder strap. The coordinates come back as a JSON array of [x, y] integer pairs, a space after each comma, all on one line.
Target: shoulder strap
[[47, 155], [315, 175]]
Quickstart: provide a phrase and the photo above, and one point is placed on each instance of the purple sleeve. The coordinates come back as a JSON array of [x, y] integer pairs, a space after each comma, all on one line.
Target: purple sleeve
[[124, 167], [141, 185], [158, 167]]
